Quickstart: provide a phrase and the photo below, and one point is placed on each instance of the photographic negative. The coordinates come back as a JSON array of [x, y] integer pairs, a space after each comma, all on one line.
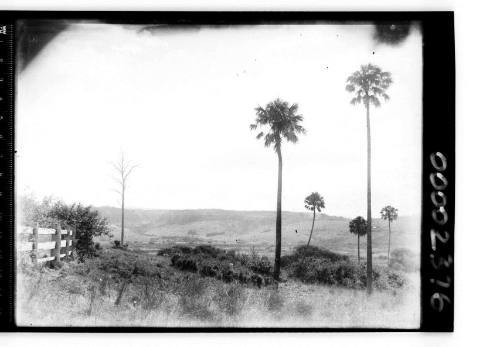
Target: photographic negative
[[231, 171]]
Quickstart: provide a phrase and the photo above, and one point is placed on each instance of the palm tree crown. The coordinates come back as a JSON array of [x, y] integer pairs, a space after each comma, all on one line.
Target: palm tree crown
[[389, 213], [368, 84], [314, 202], [283, 122], [358, 226]]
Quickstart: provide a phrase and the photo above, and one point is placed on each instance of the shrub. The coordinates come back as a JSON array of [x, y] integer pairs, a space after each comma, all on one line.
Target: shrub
[[207, 250], [385, 278], [208, 270], [87, 221], [223, 265], [324, 267], [302, 252], [261, 265], [185, 263]]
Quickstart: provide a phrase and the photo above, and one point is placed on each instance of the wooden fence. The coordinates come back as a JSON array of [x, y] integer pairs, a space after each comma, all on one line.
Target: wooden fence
[[60, 243]]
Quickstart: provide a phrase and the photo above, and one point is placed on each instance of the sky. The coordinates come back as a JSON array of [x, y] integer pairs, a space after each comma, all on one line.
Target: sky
[[179, 104]]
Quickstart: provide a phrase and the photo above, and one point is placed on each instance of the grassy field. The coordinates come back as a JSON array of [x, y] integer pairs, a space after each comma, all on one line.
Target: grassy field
[[130, 288]]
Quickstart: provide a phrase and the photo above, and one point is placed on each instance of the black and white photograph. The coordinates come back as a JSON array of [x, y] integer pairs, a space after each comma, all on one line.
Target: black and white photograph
[[257, 176]]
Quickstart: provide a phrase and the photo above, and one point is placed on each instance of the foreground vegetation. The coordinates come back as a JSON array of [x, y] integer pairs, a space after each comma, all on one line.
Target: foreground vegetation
[[125, 288]]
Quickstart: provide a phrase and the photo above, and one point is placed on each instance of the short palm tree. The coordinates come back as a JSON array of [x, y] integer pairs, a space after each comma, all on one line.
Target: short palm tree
[[368, 84], [314, 202], [358, 227], [282, 123], [390, 214]]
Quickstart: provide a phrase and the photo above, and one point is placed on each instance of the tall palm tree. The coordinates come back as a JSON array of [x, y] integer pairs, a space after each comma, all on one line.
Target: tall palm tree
[[314, 202], [282, 123], [369, 84], [357, 226], [390, 214]]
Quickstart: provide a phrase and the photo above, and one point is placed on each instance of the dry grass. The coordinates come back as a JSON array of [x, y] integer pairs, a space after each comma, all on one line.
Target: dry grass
[[158, 295]]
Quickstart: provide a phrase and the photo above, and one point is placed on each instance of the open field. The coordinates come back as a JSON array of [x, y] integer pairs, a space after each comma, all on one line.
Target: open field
[[156, 294]]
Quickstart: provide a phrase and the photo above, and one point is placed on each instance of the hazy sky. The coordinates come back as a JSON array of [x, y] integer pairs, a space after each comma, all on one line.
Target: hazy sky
[[180, 104]]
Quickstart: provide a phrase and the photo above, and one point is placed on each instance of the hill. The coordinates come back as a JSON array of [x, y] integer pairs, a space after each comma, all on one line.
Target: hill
[[246, 229]]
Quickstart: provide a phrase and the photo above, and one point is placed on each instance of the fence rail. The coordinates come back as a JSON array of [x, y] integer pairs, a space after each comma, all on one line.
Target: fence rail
[[59, 246]]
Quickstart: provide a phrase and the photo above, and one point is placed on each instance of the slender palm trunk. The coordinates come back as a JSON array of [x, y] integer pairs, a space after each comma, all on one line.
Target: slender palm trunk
[[277, 259], [123, 216], [359, 258], [389, 249], [369, 204], [314, 217]]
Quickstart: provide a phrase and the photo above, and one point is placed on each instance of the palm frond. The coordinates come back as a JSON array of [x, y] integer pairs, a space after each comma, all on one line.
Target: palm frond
[[367, 83], [282, 121]]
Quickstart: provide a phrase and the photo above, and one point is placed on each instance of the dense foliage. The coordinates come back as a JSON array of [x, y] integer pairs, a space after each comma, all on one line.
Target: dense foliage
[[316, 265], [227, 266], [87, 221]]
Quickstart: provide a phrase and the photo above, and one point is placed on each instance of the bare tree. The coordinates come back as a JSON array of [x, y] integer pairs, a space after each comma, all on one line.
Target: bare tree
[[123, 169]]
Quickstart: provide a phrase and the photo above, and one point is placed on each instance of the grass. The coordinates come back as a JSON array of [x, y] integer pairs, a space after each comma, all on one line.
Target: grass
[[155, 293]]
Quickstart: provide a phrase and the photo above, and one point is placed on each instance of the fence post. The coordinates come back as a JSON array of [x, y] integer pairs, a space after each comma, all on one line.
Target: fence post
[[69, 238], [73, 242], [34, 252], [57, 249], [65, 238]]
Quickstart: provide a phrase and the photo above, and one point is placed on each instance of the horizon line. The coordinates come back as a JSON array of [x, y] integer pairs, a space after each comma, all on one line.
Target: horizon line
[[234, 210]]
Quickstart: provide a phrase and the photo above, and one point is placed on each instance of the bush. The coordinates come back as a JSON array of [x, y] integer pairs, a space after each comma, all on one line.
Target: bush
[[87, 221], [261, 265], [385, 278], [185, 263], [223, 265], [207, 250], [302, 252], [324, 267]]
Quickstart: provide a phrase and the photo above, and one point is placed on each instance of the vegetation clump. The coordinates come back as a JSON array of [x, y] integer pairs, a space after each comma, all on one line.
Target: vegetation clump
[[318, 266], [303, 252], [223, 265]]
